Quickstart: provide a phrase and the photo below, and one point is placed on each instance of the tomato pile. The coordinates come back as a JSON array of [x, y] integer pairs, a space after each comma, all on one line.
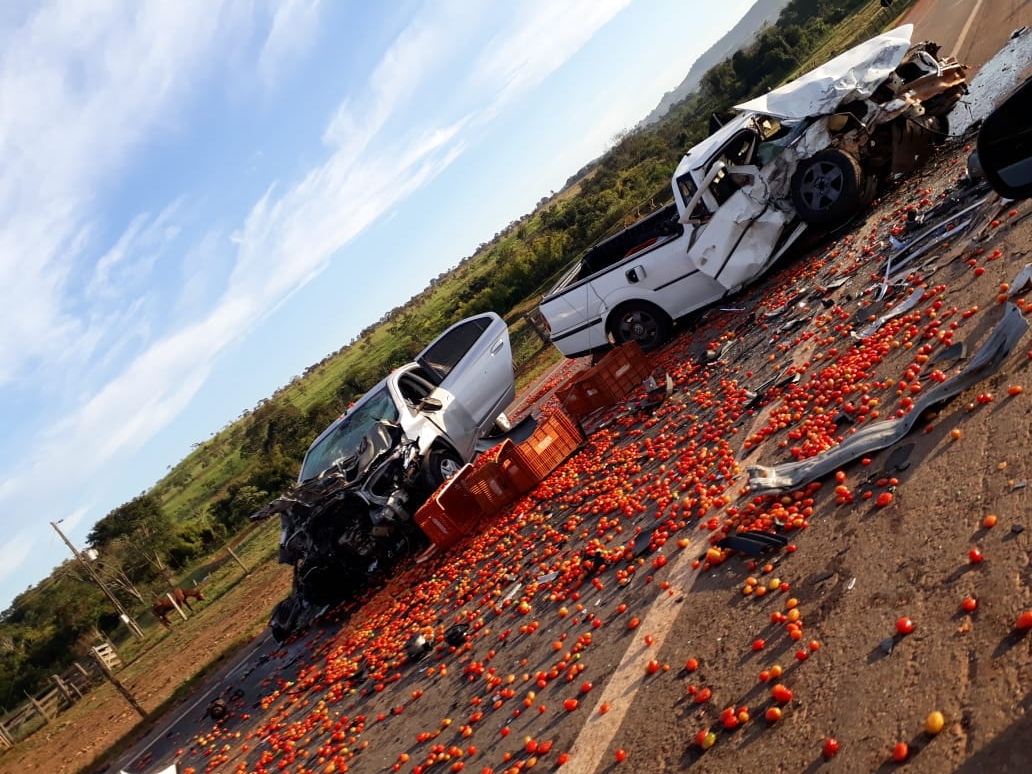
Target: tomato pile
[[554, 590]]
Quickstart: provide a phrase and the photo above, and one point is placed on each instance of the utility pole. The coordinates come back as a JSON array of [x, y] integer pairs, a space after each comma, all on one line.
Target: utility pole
[[126, 618]]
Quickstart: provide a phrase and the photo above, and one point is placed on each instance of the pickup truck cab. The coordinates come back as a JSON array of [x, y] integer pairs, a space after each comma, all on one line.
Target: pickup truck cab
[[808, 155]]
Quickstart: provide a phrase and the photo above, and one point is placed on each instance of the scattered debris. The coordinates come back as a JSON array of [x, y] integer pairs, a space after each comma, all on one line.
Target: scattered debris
[[753, 542], [418, 646], [218, 709], [456, 635], [987, 360]]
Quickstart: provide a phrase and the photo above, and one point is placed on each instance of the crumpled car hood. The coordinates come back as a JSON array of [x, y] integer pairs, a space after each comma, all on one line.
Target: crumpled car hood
[[852, 75]]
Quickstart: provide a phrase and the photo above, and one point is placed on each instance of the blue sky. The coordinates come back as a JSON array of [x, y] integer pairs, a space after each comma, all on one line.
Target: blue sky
[[199, 199]]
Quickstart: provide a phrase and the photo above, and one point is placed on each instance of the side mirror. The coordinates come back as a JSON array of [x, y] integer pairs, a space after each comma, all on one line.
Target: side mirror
[[430, 404], [1005, 145]]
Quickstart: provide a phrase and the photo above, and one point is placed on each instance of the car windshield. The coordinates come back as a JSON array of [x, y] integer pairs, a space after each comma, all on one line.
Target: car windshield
[[348, 438]]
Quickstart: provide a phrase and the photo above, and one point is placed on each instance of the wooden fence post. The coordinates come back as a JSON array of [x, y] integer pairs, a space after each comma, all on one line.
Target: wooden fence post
[[40, 709], [176, 605]]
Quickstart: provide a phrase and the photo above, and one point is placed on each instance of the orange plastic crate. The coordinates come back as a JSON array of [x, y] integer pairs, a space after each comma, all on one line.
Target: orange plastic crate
[[438, 526], [555, 439], [515, 469], [451, 512], [490, 487], [581, 395], [621, 370]]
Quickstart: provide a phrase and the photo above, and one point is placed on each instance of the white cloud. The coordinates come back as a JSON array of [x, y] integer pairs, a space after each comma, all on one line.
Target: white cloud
[[14, 552], [540, 39], [294, 23], [83, 85]]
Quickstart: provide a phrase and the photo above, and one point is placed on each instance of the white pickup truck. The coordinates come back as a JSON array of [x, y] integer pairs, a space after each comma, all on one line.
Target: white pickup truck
[[811, 153]]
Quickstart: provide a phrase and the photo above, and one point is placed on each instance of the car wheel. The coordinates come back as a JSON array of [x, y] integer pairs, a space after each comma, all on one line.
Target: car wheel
[[442, 464], [642, 322], [827, 188]]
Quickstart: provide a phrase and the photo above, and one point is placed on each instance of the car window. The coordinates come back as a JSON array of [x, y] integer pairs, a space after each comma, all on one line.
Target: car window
[[738, 152], [443, 355], [348, 437], [687, 188], [413, 389]]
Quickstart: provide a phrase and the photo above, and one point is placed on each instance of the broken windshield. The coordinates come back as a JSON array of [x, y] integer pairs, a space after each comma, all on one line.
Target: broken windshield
[[349, 436]]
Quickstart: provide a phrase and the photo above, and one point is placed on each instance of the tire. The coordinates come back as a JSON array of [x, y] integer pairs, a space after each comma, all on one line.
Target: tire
[[828, 188], [441, 465], [642, 322]]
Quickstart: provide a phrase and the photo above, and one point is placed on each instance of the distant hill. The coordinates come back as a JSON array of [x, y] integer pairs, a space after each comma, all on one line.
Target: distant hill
[[762, 13]]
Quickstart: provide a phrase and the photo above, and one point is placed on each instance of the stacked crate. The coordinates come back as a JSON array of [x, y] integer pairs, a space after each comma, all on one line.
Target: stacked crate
[[457, 508], [606, 383]]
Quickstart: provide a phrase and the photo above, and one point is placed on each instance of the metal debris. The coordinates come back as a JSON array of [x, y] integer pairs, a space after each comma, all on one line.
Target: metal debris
[[879, 435], [456, 635], [896, 311]]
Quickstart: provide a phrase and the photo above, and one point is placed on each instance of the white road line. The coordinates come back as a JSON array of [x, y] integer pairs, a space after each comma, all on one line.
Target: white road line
[[629, 675], [967, 27], [161, 728]]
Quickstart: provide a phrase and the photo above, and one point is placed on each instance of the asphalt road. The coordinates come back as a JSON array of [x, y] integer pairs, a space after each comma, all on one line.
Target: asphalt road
[[970, 30]]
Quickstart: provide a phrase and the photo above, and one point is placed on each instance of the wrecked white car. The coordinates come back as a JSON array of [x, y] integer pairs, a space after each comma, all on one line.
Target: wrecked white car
[[808, 155], [349, 517]]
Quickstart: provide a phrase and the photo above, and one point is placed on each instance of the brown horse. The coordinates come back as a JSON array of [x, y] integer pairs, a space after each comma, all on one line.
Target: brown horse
[[163, 605]]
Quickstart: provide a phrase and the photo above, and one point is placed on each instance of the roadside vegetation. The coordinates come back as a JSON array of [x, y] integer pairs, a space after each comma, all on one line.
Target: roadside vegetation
[[192, 526]]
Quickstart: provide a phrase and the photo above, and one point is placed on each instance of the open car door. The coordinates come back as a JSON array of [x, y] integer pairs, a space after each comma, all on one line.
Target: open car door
[[472, 360], [742, 228]]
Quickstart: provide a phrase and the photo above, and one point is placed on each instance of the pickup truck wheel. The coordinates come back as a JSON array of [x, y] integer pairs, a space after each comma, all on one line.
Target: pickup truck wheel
[[442, 464], [827, 188], [642, 322]]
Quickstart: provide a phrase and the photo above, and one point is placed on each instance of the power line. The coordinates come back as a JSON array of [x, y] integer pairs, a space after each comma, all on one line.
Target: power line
[[122, 613]]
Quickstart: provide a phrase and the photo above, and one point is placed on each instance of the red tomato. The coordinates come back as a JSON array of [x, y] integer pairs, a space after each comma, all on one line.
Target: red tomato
[[570, 705], [691, 664], [1024, 620], [970, 604], [759, 644], [830, 747], [975, 556], [904, 625], [900, 752], [781, 693]]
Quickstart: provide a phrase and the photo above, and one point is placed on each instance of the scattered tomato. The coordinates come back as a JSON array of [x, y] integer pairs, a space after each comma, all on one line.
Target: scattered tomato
[[975, 556], [1024, 621], [900, 752], [970, 604], [830, 749], [904, 625], [934, 723]]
